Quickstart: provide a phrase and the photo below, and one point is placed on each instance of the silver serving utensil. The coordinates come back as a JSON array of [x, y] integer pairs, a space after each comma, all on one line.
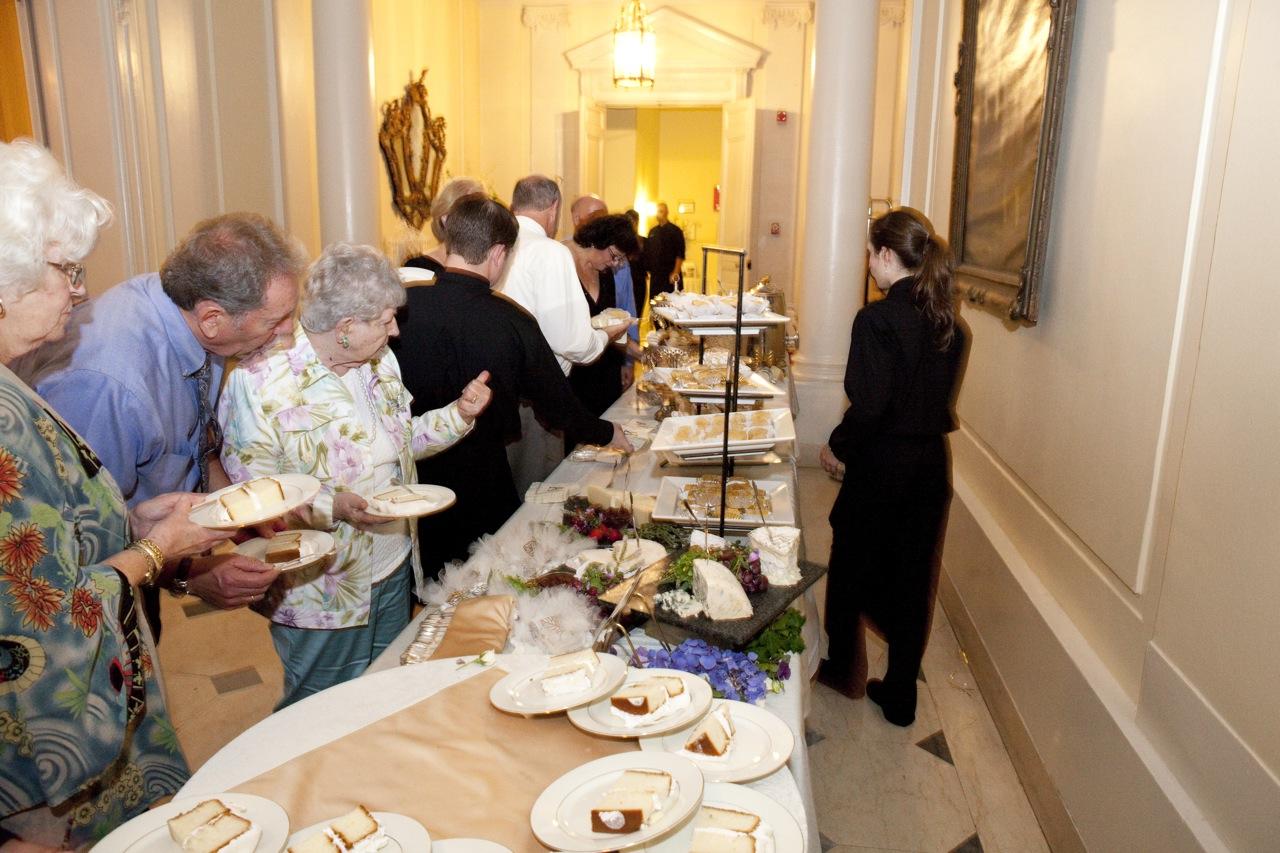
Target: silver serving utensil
[[755, 491]]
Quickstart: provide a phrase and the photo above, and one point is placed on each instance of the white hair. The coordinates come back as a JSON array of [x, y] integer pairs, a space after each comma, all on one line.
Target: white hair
[[348, 281], [41, 209]]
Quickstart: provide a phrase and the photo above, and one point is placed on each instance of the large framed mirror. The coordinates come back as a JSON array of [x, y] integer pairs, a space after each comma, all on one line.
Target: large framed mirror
[[1010, 88]]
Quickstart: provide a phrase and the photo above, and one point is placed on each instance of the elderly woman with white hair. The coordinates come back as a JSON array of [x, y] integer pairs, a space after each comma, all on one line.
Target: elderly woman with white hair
[[85, 742], [329, 402]]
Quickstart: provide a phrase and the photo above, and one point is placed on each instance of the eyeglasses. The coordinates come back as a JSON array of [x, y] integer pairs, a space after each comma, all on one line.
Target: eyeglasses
[[616, 258], [73, 271]]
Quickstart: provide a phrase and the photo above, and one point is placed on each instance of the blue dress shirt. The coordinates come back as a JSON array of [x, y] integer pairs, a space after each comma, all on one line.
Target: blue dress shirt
[[624, 296], [125, 378]]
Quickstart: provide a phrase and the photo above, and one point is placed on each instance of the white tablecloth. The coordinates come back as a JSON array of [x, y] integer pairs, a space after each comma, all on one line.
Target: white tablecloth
[[644, 476]]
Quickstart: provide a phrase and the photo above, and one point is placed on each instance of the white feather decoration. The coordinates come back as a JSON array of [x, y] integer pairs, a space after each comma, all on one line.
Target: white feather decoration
[[555, 621]]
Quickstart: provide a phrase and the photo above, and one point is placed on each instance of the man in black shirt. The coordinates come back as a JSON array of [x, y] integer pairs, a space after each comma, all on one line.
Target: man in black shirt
[[663, 253], [456, 328]]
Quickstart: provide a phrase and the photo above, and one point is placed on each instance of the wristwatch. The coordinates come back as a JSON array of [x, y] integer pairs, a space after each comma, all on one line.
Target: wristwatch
[[178, 583]]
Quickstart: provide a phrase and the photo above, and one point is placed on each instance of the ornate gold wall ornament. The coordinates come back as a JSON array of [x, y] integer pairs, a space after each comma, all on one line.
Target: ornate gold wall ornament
[[413, 147]]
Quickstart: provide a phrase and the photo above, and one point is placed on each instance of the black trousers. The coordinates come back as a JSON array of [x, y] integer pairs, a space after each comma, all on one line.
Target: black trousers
[[481, 478], [887, 528]]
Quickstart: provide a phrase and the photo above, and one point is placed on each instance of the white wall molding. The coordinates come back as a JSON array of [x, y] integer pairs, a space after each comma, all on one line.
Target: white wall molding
[[539, 18], [787, 15]]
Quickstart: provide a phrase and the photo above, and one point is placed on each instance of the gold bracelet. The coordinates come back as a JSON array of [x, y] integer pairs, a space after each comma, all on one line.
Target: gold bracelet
[[154, 555]]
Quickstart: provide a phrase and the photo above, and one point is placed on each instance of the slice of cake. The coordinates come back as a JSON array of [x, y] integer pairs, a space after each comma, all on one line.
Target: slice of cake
[[320, 842], [213, 826], [723, 830], [569, 673], [183, 825], [640, 697], [719, 592], [398, 495], [358, 831], [713, 735], [285, 548], [254, 499], [267, 491], [631, 802]]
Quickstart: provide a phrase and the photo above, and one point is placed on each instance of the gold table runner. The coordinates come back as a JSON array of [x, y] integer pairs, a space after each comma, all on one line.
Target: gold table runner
[[453, 762]]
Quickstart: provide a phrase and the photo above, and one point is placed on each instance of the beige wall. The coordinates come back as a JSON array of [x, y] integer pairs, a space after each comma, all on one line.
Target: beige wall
[[1113, 541]]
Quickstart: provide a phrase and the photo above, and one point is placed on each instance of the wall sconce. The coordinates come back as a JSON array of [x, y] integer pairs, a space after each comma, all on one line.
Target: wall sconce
[[634, 48]]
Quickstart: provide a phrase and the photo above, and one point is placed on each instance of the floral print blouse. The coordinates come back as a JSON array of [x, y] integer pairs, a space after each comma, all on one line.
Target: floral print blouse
[[83, 727], [282, 411]]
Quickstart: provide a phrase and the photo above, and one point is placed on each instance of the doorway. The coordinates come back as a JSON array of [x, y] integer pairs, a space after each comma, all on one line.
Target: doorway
[[668, 155]]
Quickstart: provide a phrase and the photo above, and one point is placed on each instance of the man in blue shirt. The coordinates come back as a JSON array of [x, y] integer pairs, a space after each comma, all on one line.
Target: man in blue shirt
[[138, 373]]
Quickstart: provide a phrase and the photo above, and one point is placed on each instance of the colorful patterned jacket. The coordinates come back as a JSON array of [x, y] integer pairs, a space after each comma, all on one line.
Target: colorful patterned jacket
[[83, 726], [282, 411]]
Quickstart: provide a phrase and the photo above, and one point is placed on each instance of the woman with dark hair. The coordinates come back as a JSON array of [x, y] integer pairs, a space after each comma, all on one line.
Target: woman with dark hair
[[890, 516], [599, 247]]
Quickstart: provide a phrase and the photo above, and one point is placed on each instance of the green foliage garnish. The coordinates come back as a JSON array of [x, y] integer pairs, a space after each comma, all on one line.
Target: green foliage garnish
[[680, 572], [669, 536], [776, 642], [522, 585]]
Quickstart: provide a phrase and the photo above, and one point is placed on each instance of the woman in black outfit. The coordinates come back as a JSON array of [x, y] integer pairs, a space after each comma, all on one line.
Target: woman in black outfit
[[600, 246], [890, 516]]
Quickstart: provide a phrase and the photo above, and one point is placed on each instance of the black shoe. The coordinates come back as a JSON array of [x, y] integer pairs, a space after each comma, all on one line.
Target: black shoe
[[896, 712]]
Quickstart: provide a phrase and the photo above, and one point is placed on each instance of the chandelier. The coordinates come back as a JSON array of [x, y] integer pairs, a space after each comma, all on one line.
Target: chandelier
[[633, 48]]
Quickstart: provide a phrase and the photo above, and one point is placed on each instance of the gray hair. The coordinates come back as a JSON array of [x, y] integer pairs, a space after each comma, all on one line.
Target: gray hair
[[445, 199], [535, 192], [349, 281], [230, 259], [41, 209]]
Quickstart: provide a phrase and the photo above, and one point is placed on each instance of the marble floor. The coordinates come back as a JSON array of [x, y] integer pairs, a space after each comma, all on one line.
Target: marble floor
[[944, 784]]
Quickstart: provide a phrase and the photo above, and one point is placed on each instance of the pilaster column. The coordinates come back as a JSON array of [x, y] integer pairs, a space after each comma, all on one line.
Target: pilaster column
[[833, 259], [346, 121]]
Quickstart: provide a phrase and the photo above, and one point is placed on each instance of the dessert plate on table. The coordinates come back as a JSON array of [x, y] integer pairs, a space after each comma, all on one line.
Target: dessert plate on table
[[298, 489], [431, 499], [786, 832], [404, 834], [521, 692], [468, 845], [561, 816], [761, 744], [316, 546], [598, 718], [149, 831]]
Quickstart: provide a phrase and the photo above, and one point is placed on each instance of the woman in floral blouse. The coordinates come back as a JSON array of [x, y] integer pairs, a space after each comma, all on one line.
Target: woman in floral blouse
[[329, 402], [84, 739]]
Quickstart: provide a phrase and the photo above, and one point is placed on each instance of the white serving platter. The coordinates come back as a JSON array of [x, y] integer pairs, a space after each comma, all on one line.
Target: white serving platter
[[784, 429], [669, 507]]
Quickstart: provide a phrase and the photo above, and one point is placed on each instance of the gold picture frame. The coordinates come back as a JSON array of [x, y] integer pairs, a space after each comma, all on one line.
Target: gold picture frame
[[413, 147]]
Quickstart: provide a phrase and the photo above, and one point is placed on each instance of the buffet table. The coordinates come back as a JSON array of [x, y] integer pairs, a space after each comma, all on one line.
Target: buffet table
[[418, 740]]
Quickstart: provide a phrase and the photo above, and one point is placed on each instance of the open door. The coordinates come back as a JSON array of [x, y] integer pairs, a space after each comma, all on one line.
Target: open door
[[736, 169], [582, 157]]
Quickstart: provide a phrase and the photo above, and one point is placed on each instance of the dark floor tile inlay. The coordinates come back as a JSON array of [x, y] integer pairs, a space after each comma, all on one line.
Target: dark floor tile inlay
[[972, 844], [812, 738], [936, 744], [826, 843], [236, 679]]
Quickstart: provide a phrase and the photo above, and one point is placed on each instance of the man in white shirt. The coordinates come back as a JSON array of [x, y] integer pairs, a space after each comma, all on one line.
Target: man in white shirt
[[542, 279]]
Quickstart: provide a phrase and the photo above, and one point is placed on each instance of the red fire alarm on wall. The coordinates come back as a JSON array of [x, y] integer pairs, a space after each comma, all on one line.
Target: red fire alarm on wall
[[782, 116]]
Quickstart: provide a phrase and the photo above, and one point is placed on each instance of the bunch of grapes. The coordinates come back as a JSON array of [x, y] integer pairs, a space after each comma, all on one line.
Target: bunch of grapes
[[751, 578], [618, 518]]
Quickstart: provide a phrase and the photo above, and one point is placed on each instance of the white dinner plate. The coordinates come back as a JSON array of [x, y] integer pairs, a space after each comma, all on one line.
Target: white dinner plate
[[404, 834], [468, 845], [599, 719], [761, 744], [669, 508], [784, 429], [521, 693], [786, 832], [298, 490], [433, 499], [315, 546], [149, 831], [561, 816]]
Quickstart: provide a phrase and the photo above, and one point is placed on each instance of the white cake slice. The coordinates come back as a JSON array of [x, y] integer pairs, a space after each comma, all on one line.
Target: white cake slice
[[189, 821], [630, 803], [723, 830], [226, 833], [358, 831], [640, 698], [713, 735], [718, 591], [320, 842], [569, 673]]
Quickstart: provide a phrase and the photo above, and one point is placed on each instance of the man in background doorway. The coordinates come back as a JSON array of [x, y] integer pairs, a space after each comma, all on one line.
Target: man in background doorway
[[664, 253]]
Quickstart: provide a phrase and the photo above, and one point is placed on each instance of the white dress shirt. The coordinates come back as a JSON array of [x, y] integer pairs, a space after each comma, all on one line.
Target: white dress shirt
[[543, 280]]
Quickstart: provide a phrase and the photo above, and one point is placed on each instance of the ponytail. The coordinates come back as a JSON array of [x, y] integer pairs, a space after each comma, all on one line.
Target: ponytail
[[910, 235]]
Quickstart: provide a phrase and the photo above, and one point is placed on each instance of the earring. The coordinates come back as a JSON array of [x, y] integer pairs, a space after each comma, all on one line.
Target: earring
[[2, 311], [344, 342]]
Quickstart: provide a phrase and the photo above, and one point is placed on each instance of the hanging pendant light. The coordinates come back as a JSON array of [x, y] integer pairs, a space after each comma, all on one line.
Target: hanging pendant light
[[633, 48]]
